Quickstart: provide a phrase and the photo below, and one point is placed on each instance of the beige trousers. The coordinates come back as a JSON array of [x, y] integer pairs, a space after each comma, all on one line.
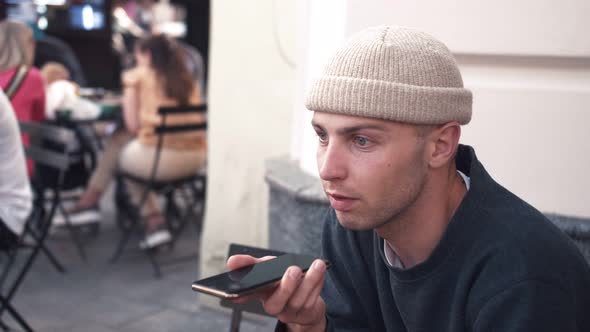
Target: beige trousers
[[137, 159]]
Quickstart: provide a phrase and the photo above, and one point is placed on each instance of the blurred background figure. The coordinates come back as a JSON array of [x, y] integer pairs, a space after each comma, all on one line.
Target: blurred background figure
[[52, 49], [62, 94], [15, 192], [21, 81], [129, 24], [54, 71], [63, 30], [160, 78]]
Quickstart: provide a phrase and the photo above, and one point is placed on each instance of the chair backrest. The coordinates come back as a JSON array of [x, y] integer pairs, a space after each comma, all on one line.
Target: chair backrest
[[82, 154], [166, 128], [43, 138], [40, 133], [56, 161]]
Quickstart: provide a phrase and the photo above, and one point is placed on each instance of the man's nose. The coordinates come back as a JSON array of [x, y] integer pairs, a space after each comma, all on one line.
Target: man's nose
[[331, 162]]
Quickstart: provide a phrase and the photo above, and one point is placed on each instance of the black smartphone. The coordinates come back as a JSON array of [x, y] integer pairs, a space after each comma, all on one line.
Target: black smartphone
[[252, 278]]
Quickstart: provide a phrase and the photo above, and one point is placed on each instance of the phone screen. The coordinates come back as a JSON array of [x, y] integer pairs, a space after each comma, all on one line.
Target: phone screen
[[244, 280]]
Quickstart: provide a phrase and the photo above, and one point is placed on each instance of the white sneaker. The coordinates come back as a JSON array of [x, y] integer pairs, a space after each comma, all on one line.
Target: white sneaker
[[155, 239], [84, 217]]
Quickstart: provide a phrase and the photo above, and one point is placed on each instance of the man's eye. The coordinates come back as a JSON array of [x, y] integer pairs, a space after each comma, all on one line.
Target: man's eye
[[361, 141], [322, 136]]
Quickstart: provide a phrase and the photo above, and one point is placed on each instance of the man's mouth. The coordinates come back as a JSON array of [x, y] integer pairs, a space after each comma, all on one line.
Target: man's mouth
[[341, 202]]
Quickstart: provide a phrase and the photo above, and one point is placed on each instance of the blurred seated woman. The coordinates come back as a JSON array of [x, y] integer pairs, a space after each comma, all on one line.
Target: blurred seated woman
[[21, 81], [160, 78]]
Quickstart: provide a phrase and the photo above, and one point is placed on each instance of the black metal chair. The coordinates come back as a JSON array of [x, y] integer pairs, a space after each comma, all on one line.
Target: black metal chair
[[190, 190], [83, 161], [38, 224], [252, 306]]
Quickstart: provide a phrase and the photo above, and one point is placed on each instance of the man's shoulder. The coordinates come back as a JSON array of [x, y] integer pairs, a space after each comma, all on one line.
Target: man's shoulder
[[514, 223], [501, 217], [512, 226], [512, 238], [517, 244]]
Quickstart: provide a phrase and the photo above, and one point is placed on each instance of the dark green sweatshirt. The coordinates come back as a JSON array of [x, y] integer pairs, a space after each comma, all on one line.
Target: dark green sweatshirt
[[500, 266]]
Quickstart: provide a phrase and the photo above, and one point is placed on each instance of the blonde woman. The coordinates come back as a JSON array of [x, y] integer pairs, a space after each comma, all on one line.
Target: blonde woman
[[17, 49], [21, 82]]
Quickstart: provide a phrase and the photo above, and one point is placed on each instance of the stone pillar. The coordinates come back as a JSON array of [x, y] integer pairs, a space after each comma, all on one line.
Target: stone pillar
[[297, 208], [578, 229]]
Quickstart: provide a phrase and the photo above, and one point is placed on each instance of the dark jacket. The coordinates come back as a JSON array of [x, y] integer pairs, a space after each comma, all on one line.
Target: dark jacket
[[500, 266]]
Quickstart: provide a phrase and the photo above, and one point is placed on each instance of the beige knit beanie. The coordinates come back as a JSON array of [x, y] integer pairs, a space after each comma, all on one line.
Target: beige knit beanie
[[393, 73]]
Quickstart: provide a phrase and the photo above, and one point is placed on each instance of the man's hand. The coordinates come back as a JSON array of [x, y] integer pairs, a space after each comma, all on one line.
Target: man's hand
[[296, 299]]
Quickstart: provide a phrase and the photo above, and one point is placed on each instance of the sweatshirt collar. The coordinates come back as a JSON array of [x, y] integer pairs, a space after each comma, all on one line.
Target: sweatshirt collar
[[480, 181]]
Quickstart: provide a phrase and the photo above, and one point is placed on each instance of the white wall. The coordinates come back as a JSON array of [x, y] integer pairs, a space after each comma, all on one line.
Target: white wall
[[530, 127], [323, 30], [528, 65], [527, 62], [251, 90], [524, 27]]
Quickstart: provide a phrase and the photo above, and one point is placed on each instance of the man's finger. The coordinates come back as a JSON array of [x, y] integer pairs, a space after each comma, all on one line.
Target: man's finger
[[310, 286], [275, 303], [238, 261], [314, 295]]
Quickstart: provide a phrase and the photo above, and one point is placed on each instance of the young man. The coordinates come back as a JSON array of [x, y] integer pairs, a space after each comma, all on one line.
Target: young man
[[420, 236]]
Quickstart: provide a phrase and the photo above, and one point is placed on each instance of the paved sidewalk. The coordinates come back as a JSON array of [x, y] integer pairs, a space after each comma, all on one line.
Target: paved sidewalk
[[98, 296]]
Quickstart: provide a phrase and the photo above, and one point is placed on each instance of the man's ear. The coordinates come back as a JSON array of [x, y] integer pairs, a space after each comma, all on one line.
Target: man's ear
[[445, 140]]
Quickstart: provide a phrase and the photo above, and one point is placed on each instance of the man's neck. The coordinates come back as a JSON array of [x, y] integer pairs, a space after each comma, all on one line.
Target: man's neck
[[415, 233]]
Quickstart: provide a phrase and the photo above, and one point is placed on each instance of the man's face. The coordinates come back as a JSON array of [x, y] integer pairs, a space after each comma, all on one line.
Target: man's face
[[371, 170]]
